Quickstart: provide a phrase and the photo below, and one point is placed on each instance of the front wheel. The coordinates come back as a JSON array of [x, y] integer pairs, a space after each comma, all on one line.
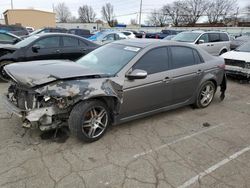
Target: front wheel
[[205, 95], [89, 120]]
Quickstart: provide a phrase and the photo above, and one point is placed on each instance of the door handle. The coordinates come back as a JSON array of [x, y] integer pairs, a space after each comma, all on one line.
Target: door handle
[[208, 44], [58, 51], [212, 45], [199, 72], [84, 49], [167, 80]]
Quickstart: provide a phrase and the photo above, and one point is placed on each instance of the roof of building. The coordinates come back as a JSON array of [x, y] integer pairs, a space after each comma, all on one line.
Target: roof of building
[[34, 10]]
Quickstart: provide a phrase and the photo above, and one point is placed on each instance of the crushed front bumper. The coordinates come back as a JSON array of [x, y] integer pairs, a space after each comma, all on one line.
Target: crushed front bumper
[[42, 116], [238, 71]]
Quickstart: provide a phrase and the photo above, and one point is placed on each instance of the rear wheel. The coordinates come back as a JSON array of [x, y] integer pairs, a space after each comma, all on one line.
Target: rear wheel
[[205, 95], [89, 120]]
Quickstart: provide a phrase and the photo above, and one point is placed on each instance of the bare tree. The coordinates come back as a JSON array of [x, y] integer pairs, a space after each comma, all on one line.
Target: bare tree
[[157, 18], [192, 10], [174, 12], [62, 12], [219, 9], [86, 14], [133, 22], [108, 13]]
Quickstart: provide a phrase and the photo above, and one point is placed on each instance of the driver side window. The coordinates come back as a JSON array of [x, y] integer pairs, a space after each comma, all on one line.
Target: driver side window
[[109, 37], [50, 42], [154, 61], [204, 37]]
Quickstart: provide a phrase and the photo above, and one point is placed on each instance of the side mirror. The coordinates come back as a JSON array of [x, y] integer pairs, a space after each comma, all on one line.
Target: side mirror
[[35, 48], [201, 42], [137, 74], [15, 40]]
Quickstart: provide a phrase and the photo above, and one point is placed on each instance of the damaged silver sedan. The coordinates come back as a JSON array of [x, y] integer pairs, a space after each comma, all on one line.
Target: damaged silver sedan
[[116, 83]]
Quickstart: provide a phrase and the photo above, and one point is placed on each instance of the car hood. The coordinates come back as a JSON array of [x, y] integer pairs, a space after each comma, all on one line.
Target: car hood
[[35, 73], [235, 55]]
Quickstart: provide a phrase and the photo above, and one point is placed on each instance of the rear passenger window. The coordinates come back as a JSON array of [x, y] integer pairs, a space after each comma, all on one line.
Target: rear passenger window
[[153, 61], [182, 57], [70, 41], [197, 57], [214, 37], [224, 37]]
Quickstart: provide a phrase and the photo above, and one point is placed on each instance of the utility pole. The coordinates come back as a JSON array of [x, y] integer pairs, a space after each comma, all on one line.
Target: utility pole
[[11, 4], [140, 13]]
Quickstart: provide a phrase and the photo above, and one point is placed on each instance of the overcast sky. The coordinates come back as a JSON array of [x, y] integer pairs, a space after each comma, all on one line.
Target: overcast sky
[[125, 10]]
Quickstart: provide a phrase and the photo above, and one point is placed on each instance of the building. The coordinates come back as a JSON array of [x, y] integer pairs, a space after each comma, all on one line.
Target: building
[[30, 18]]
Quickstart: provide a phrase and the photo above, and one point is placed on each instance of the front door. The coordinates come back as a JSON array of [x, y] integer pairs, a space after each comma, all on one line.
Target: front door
[[151, 93], [47, 48]]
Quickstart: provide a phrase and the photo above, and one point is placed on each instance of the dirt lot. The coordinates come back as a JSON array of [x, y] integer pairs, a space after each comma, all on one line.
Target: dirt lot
[[181, 148]]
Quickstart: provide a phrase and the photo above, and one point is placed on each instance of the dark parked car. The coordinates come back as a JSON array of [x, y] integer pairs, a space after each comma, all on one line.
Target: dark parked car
[[116, 83], [81, 32], [46, 46], [8, 38], [15, 29]]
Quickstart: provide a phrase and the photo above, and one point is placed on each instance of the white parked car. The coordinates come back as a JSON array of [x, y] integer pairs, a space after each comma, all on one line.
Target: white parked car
[[238, 61], [129, 34], [214, 42], [107, 37]]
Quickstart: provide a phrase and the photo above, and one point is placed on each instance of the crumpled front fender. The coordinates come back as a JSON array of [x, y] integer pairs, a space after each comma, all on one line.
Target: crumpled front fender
[[82, 89]]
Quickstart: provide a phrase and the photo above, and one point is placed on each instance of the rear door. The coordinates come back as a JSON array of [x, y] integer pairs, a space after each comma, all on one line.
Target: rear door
[[71, 48], [49, 48], [186, 73], [151, 93], [215, 44]]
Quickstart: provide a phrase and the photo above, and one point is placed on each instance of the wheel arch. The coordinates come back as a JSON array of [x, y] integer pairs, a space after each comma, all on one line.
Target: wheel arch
[[112, 102]]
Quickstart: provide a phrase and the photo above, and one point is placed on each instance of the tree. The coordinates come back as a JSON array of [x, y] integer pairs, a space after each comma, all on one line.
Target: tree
[[157, 18], [62, 12], [133, 22], [108, 13], [174, 12], [86, 14], [192, 10], [220, 9]]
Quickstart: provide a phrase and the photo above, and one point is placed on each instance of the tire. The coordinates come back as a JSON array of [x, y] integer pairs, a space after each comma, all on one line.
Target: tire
[[205, 95], [223, 51], [89, 120]]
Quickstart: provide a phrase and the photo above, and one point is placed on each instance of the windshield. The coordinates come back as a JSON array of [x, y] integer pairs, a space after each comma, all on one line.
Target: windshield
[[244, 48], [186, 37], [109, 59], [26, 41]]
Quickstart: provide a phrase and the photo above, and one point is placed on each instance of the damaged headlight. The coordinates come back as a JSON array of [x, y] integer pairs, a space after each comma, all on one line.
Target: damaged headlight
[[58, 101]]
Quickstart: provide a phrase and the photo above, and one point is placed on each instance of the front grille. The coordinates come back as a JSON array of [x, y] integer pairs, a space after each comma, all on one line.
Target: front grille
[[24, 99], [237, 63]]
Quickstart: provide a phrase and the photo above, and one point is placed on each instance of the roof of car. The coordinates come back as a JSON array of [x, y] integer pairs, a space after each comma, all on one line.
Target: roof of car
[[52, 34], [143, 43], [203, 31]]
